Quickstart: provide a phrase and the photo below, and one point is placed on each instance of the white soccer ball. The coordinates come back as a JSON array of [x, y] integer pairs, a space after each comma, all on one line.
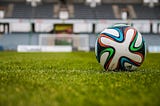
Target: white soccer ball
[[120, 47]]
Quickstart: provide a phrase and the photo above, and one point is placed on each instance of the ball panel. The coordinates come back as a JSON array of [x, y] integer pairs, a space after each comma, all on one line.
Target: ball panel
[[103, 58], [109, 58], [133, 43], [138, 40], [112, 32], [106, 41], [127, 64], [114, 63], [118, 39]]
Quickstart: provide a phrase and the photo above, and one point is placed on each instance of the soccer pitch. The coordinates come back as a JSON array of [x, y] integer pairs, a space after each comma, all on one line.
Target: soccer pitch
[[75, 79]]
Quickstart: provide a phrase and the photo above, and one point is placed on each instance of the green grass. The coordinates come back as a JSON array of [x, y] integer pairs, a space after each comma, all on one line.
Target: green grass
[[75, 79]]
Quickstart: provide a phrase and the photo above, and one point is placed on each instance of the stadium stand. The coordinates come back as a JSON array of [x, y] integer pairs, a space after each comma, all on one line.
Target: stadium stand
[[23, 10], [145, 12], [83, 12], [104, 11], [80, 11], [44, 11]]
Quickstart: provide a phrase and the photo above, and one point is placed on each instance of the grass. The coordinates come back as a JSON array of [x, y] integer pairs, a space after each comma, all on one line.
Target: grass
[[75, 79]]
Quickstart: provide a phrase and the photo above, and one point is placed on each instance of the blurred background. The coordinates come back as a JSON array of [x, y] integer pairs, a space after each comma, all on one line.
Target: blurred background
[[73, 25]]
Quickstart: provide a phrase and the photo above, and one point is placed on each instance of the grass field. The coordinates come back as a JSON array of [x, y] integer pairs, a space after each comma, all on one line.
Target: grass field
[[75, 79]]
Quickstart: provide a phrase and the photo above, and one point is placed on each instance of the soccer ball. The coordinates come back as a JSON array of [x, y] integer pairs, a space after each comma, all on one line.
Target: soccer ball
[[120, 47]]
